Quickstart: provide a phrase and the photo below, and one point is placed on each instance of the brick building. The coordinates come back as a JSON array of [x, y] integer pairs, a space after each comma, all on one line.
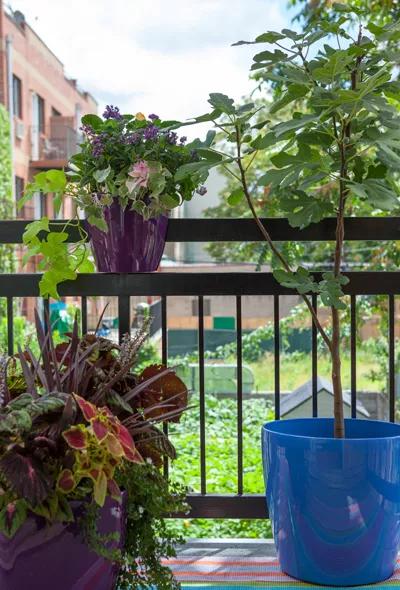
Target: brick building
[[44, 104]]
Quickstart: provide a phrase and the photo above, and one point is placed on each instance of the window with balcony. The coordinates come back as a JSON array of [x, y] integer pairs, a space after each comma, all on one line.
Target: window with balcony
[[41, 114], [17, 96]]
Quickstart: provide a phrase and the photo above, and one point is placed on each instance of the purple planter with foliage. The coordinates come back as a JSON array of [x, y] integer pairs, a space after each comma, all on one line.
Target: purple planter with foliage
[[56, 557], [132, 243]]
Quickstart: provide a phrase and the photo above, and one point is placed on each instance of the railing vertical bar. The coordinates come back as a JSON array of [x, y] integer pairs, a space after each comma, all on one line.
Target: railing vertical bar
[[84, 314], [277, 354], [10, 326], [124, 316], [314, 361], [392, 397], [203, 484], [164, 359], [353, 355], [239, 379]]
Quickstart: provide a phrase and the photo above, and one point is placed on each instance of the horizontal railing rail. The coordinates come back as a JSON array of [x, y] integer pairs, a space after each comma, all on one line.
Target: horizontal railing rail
[[238, 285], [240, 230]]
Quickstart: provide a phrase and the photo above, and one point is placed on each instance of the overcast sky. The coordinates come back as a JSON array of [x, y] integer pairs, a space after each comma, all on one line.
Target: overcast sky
[[161, 56]]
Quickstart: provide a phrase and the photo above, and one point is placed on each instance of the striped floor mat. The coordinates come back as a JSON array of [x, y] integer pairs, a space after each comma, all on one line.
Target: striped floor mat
[[208, 573]]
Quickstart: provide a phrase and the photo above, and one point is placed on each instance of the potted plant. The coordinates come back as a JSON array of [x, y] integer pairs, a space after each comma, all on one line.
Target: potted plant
[[81, 493], [123, 180], [333, 485]]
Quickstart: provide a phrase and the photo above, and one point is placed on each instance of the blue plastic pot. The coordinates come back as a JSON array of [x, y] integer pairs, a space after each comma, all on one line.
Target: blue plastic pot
[[334, 503]]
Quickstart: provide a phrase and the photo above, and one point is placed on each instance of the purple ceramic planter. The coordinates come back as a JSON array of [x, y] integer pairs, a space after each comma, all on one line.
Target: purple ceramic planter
[[132, 243], [56, 557]]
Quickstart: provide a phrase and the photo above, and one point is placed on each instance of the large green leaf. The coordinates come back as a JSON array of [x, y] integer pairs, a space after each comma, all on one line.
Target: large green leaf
[[222, 102], [330, 289], [301, 280], [295, 92], [294, 124], [377, 192], [303, 209]]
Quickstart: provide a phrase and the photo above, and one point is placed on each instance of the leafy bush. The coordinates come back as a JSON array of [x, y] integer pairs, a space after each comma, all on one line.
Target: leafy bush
[[221, 462]]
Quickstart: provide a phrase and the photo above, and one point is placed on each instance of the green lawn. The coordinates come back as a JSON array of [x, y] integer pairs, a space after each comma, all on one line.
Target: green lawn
[[296, 370]]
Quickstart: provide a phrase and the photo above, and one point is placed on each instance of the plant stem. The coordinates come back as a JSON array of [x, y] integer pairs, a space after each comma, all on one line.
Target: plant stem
[[270, 242], [343, 194]]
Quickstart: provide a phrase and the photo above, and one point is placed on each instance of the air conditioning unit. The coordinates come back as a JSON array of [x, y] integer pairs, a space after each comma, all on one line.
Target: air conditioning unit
[[19, 130]]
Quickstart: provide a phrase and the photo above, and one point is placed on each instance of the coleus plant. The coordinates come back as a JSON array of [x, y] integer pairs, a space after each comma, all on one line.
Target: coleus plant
[[129, 159], [71, 419], [340, 146]]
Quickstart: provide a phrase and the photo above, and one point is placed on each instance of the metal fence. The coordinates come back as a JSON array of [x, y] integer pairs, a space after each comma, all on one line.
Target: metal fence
[[237, 284]]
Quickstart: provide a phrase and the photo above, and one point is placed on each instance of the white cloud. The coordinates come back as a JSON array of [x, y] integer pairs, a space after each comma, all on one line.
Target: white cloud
[[162, 56]]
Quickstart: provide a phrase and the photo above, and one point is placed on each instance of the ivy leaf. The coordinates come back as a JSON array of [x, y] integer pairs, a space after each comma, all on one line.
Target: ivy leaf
[[330, 289], [101, 175], [303, 209], [222, 102], [34, 228], [301, 280]]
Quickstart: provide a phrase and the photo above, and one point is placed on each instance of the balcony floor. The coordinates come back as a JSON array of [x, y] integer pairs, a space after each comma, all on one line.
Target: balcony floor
[[230, 563]]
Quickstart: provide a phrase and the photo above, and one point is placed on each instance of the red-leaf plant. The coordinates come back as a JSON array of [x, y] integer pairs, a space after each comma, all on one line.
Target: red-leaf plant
[[70, 417]]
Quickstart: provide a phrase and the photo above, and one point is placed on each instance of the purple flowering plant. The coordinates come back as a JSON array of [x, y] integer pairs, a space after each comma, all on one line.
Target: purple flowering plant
[[132, 158]]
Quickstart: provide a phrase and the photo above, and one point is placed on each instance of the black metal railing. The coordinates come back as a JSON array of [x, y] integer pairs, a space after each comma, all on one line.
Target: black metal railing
[[237, 284]]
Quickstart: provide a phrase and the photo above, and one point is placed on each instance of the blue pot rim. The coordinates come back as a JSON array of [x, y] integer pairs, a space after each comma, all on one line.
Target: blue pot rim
[[273, 428]]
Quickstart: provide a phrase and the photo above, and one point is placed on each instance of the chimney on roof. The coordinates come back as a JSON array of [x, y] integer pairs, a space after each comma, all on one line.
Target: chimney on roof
[[19, 18]]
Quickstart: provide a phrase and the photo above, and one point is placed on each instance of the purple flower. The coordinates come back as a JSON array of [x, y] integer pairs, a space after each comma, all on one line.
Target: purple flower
[[153, 117], [87, 130], [97, 142], [194, 156], [132, 138], [201, 190], [112, 112], [172, 137], [151, 132], [183, 140]]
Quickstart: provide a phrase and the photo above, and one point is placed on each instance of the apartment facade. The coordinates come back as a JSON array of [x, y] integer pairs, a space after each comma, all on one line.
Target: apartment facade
[[45, 106]]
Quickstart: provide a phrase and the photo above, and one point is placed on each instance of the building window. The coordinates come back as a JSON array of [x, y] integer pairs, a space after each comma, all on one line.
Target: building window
[[17, 96], [55, 113], [41, 119], [39, 205], [19, 188]]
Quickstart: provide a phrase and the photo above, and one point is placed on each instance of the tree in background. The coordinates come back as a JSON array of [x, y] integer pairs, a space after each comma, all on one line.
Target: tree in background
[[381, 11], [7, 251]]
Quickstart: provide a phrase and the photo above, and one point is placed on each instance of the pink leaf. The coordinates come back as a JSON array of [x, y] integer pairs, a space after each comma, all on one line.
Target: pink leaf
[[114, 447], [88, 410], [66, 481], [113, 490], [76, 437], [100, 430]]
